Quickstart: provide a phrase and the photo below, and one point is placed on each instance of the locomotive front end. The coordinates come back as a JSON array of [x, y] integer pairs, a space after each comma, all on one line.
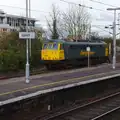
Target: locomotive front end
[[52, 52]]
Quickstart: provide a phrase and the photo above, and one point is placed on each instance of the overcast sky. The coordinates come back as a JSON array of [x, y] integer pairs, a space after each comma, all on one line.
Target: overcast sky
[[98, 17]]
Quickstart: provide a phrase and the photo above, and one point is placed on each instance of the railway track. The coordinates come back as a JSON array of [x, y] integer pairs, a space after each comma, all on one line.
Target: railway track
[[95, 110], [37, 114], [107, 116]]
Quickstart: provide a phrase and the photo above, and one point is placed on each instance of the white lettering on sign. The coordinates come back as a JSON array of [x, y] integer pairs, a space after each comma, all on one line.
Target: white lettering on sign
[[27, 35]]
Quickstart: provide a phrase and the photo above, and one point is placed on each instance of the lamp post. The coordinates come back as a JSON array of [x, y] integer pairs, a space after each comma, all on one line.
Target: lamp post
[[114, 35], [27, 48]]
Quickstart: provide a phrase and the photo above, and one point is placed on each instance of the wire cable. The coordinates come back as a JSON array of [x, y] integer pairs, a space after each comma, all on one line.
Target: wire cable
[[23, 8], [84, 6], [103, 3], [102, 29]]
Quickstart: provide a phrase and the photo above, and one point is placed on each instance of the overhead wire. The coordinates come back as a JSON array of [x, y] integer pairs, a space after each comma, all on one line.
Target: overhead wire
[[66, 2], [107, 5], [23, 8], [103, 3], [97, 26], [102, 29], [84, 6]]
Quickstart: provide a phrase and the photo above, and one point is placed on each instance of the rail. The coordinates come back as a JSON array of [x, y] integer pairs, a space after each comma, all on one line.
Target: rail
[[91, 111], [106, 114]]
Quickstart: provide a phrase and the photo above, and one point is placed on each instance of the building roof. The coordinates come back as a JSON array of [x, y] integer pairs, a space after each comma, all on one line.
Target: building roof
[[82, 42], [3, 14], [18, 16]]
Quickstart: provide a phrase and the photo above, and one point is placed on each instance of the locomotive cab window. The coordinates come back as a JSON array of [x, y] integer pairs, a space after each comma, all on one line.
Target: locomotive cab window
[[44, 46], [50, 46], [55, 46]]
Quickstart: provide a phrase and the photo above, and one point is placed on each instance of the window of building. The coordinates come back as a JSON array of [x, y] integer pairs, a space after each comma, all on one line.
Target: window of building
[[1, 21], [16, 24], [4, 29]]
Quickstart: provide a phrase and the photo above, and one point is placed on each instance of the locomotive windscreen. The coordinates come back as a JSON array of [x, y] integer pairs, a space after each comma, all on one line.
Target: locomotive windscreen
[[50, 46]]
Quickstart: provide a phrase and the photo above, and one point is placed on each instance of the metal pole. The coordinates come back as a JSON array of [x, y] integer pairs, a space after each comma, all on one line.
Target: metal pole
[[29, 22], [114, 40], [27, 49], [119, 23], [90, 32], [89, 45], [114, 35], [88, 60]]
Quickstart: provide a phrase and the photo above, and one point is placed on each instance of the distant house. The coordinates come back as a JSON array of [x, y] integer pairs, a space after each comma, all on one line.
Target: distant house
[[10, 22]]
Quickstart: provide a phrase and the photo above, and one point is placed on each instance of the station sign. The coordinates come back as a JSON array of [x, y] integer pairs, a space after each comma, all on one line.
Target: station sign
[[27, 35]]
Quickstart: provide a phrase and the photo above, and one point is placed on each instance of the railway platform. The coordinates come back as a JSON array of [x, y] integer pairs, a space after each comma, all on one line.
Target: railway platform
[[15, 89]]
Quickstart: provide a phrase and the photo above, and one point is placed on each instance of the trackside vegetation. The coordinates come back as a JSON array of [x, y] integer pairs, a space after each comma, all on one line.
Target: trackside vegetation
[[13, 52]]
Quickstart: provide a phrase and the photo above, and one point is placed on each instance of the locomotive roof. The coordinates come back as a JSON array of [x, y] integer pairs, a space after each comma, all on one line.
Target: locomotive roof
[[93, 42], [87, 42]]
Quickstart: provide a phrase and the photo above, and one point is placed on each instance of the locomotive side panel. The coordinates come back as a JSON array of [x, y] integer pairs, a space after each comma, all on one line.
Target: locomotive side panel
[[78, 51]]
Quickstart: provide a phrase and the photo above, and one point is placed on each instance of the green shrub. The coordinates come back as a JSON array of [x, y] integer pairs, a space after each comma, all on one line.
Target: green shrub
[[13, 52]]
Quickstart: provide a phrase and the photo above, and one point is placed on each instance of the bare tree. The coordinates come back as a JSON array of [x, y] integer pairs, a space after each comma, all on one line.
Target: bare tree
[[53, 22], [76, 22], [94, 35]]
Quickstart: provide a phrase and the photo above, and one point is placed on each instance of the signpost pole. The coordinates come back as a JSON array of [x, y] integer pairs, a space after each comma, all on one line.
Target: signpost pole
[[27, 56]]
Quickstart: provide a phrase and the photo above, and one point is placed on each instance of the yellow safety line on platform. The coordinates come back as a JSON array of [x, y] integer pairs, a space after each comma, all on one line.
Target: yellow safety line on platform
[[53, 83], [69, 71]]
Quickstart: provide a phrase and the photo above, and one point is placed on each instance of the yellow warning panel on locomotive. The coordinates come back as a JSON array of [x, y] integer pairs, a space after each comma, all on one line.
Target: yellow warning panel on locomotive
[[85, 53], [52, 54]]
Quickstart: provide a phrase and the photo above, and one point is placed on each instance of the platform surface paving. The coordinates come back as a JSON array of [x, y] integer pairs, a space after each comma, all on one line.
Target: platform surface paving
[[15, 89]]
